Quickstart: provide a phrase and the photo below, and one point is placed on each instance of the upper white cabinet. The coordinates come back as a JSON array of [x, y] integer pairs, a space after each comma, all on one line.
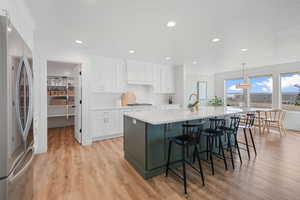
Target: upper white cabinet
[[109, 76], [113, 75], [164, 79], [140, 73]]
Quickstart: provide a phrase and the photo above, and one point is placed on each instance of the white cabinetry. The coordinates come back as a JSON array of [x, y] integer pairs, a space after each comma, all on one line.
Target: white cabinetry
[[106, 123], [109, 123], [164, 81], [109, 77], [139, 73]]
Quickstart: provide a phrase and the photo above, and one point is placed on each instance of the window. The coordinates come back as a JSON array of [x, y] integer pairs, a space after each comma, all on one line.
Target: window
[[234, 96], [261, 92], [290, 91]]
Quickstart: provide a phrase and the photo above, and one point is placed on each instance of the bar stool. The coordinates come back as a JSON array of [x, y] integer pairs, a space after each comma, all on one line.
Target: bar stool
[[213, 134], [231, 131], [190, 137], [248, 125]]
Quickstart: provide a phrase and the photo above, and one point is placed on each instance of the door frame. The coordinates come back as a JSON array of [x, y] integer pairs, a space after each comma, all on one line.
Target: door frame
[[44, 104]]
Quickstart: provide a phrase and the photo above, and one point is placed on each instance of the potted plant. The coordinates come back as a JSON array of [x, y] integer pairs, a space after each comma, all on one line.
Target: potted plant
[[217, 101]]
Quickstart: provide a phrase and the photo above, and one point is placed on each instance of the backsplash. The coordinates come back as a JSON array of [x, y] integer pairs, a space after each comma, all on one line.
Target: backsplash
[[144, 94]]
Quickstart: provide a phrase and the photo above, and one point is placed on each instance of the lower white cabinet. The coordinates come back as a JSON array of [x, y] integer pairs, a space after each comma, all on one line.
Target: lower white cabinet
[[109, 123], [106, 123]]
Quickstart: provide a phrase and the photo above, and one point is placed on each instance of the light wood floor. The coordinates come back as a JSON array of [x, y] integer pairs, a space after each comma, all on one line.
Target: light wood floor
[[99, 172]]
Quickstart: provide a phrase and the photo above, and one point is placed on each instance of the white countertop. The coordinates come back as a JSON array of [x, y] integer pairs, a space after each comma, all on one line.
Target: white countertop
[[179, 115]]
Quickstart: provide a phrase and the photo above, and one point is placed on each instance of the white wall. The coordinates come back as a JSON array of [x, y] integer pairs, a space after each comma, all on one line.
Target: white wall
[[293, 118], [20, 18], [61, 69]]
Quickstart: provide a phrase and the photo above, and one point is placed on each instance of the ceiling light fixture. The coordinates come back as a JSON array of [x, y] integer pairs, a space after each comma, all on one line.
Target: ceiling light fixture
[[131, 51], [195, 62], [244, 50], [216, 40], [9, 29], [245, 85], [78, 41], [168, 58], [171, 24]]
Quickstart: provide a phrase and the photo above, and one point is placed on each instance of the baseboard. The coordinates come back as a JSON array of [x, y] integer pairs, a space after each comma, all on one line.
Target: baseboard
[[106, 137], [293, 130]]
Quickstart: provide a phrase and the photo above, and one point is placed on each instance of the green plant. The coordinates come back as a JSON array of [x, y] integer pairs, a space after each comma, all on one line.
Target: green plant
[[217, 101], [297, 102]]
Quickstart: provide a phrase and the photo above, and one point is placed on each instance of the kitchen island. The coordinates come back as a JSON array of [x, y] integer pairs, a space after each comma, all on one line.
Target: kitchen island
[[146, 135]]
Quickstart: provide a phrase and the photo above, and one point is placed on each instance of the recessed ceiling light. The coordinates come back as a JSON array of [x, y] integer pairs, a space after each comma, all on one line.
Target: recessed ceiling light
[[131, 51], [244, 50], [9, 29], [216, 40], [195, 62], [171, 24], [168, 58], [78, 41]]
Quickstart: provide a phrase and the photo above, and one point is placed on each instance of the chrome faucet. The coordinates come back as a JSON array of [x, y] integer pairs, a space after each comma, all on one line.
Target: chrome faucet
[[193, 94]]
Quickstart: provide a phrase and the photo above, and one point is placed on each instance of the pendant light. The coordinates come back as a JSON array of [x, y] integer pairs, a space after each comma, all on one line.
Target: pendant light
[[244, 85]]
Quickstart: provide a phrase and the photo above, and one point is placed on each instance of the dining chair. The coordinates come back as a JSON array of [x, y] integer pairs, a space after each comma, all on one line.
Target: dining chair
[[274, 119], [259, 121]]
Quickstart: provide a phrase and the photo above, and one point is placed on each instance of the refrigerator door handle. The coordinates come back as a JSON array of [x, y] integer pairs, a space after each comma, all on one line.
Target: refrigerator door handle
[[14, 175], [24, 129], [4, 177]]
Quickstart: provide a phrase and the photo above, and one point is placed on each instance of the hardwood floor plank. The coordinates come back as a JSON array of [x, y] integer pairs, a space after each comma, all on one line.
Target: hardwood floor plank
[[73, 172]]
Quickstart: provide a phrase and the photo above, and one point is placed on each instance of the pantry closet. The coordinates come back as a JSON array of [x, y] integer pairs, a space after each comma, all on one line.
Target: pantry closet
[[64, 95]]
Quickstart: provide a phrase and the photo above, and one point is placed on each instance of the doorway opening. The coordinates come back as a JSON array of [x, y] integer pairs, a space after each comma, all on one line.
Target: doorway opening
[[64, 94]]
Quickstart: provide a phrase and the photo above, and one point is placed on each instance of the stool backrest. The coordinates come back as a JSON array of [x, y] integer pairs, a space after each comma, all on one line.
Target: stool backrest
[[235, 123], [250, 119], [216, 123], [193, 130]]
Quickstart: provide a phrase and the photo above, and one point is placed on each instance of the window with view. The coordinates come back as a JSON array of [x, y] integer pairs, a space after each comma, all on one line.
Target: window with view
[[290, 91], [261, 92], [234, 96]]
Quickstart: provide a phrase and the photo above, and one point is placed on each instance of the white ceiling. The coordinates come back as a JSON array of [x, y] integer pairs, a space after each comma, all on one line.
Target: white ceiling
[[268, 28]]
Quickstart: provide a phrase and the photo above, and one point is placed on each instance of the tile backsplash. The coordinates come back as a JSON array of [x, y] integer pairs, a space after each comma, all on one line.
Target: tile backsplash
[[144, 94]]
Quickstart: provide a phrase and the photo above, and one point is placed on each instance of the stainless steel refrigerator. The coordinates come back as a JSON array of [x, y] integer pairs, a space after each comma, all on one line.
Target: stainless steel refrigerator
[[16, 115]]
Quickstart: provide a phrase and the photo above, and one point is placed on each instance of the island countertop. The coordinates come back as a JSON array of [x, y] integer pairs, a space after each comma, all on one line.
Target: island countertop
[[178, 115]]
